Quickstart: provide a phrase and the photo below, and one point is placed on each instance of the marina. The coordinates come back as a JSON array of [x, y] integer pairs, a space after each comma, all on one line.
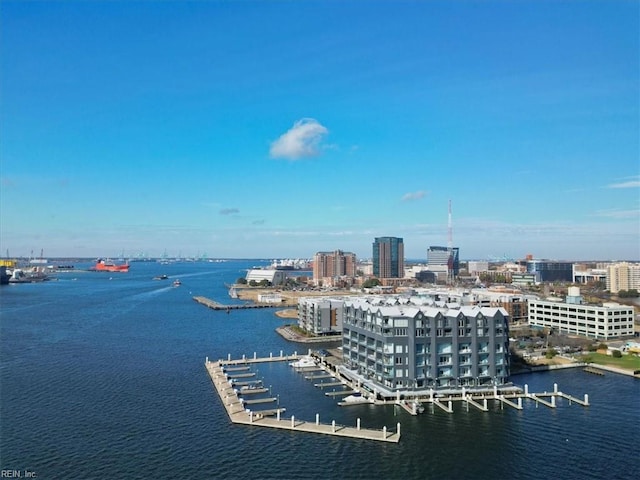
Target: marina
[[235, 407], [223, 375]]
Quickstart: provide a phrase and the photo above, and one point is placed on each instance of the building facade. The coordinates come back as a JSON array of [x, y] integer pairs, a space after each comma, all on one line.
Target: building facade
[[523, 279], [388, 257], [623, 276], [606, 321], [275, 277], [475, 267], [320, 316], [328, 267], [415, 349], [550, 270], [442, 257]]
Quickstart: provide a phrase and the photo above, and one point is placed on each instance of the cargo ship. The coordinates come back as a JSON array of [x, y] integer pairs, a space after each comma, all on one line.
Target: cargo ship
[[107, 266]]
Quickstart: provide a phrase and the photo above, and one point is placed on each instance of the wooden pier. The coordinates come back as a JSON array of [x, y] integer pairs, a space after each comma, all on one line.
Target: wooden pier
[[235, 407], [212, 304], [594, 370]]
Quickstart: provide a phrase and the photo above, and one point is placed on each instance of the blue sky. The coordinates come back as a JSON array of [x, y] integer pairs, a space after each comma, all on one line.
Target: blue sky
[[278, 128]]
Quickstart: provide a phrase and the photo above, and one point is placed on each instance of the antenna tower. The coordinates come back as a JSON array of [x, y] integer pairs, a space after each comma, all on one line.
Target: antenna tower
[[450, 272]]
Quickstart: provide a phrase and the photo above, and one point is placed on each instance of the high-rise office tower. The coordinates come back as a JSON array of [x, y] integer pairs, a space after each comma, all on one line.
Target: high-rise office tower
[[388, 257]]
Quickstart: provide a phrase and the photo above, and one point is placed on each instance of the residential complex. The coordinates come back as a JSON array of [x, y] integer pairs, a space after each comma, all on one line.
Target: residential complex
[[623, 276], [320, 315], [394, 345], [332, 268], [610, 320]]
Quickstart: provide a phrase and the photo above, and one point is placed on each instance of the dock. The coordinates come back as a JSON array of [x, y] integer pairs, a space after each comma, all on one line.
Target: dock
[[273, 418], [212, 304], [594, 370]]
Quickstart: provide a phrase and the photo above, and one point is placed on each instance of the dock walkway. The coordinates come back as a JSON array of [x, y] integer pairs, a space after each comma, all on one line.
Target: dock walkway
[[234, 406], [207, 302]]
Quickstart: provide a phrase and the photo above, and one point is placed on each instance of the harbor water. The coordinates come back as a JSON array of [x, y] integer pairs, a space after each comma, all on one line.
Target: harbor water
[[102, 376]]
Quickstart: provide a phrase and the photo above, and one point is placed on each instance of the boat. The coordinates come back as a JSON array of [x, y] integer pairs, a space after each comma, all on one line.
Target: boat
[[161, 277], [108, 266], [302, 362], [416, 406], [354, 399], [177, 283], [20, 276]]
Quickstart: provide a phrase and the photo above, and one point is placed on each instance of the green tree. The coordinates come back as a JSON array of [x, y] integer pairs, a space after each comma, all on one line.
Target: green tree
[[371, 282]]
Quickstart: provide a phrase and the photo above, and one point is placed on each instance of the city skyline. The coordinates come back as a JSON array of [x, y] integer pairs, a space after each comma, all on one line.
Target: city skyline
[[278, 130]]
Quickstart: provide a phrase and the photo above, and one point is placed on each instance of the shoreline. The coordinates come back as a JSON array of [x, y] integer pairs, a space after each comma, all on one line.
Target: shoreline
[[289, 334]]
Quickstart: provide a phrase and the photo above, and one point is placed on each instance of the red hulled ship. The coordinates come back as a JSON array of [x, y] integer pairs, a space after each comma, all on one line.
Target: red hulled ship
[[107, 266]]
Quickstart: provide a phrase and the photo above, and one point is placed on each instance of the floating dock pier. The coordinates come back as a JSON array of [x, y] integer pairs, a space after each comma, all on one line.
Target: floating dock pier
[[234, 405], [212, 304]]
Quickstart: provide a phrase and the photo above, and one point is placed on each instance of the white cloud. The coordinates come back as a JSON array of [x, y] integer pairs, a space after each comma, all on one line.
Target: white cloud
[[407, 197], [300, 141], [618, 213], [635, 183]]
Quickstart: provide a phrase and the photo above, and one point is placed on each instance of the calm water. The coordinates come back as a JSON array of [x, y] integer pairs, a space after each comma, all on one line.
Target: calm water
[[102, 376]]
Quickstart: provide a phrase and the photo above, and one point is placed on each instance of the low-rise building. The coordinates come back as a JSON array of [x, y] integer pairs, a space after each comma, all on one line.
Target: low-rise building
[[270, 298], [275, 277], [606, 321]]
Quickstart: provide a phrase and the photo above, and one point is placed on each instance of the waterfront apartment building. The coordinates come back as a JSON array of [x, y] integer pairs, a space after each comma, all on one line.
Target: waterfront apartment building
[[606, 321], [320, 316], [330, 267], [623, 276], [412, 348], [388, 257]]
